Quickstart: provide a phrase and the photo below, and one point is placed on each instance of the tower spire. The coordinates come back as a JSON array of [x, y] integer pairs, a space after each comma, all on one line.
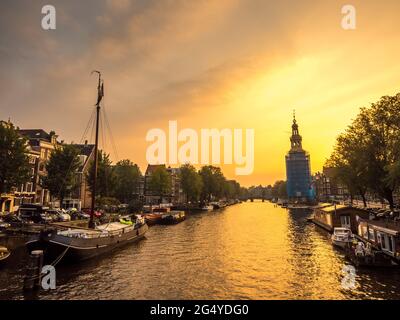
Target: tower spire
[[296, 138]]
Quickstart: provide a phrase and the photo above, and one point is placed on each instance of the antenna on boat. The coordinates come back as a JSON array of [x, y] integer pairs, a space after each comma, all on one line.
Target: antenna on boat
[[100, 95]]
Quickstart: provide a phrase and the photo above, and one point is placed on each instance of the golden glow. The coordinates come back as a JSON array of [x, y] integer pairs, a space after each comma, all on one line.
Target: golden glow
[[207, 64]]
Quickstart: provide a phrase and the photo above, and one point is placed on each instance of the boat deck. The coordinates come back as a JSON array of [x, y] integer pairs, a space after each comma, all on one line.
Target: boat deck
[[113, 226]]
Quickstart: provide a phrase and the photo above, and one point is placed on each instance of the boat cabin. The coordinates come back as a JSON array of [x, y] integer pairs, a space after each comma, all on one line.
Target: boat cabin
[[385, 235], [331, 216]]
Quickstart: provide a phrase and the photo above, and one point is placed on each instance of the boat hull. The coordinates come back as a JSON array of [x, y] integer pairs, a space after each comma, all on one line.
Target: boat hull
[[169, 221], [153, 219], [341, 243], [69, 249]]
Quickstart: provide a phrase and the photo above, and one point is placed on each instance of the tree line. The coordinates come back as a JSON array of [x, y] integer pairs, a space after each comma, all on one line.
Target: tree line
[[277, 190], [366, 157], [119, 183]]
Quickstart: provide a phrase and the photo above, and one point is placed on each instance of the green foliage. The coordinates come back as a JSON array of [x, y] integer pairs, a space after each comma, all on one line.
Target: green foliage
[[279, 189], [61, 169], [213, 182], [349, 161], [127, 180], [191, 182], [105, 176], [14, 163], [160, 182], [135, 205], [231, 189], [367, 155], [107, 201]]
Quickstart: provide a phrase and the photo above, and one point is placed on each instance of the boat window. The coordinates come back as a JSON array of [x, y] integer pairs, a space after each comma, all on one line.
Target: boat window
[[390, 243], [387, 242], [345, 221], [371, 234]]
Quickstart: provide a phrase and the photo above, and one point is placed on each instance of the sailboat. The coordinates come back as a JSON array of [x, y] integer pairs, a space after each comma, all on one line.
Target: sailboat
[[82, 243]]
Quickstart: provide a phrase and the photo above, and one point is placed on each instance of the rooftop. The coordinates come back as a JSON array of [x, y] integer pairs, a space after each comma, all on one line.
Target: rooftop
[[388, 225], [84, 150], [152, 167], [37, 134], [338, 207]]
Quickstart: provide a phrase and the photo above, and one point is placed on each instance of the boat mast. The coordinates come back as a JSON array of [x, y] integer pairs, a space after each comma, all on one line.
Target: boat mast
[[100, 94]]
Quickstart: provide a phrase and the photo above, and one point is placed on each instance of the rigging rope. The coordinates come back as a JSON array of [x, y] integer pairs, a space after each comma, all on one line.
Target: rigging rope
[[110, 132], [91, 119], [54, 263]]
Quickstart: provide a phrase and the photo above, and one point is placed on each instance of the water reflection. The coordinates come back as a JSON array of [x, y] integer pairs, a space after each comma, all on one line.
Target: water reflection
[[247, 251]]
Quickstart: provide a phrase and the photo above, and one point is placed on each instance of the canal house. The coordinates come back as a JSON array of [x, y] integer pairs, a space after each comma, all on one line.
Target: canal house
[[330, 216], [383, 235]]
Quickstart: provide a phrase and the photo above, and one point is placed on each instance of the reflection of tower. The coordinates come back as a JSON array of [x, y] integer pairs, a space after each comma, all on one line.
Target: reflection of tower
[[298, 171]]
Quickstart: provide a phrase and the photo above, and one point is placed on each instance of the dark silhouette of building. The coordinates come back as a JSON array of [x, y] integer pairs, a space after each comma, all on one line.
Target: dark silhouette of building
[[298, 170]]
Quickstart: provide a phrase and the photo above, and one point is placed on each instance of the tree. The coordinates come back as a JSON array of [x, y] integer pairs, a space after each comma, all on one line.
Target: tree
[[191, 182], [213, 182], [127, 180], [61, 168], [349, 161], [368, 153], [105, 176], [244, 193], [231, 189], [14, 162], [279, 189], [382, 128], [160, 182]]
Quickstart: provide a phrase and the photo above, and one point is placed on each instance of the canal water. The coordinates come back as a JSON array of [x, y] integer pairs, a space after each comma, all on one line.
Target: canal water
[[247, 251]]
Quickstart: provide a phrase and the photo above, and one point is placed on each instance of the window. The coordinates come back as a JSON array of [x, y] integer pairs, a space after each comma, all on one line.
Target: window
[[345, 221], [371, 234], [387, 242], [29, 187], [363, 231]]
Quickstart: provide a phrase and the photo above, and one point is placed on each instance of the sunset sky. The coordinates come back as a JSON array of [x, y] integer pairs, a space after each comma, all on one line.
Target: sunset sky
[[207, 64]]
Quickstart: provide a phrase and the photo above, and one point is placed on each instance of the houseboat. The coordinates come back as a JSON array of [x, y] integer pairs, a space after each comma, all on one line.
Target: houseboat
[[331, 216], [383, 235]]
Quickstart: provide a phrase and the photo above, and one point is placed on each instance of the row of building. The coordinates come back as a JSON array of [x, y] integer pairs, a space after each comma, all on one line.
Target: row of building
[[41, 144]]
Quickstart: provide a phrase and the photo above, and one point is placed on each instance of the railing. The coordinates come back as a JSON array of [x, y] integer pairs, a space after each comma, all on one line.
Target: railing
[[95, 233]]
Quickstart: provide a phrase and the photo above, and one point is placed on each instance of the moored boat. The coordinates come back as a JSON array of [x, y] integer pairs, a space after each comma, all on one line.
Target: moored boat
[[218, 205], [153, 218], [342, 237], [72, 243], [77, 244], [173, 217], [207, 208]]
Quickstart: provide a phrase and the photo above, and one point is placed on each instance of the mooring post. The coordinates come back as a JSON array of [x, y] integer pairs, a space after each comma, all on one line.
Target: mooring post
[[33, 274]]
